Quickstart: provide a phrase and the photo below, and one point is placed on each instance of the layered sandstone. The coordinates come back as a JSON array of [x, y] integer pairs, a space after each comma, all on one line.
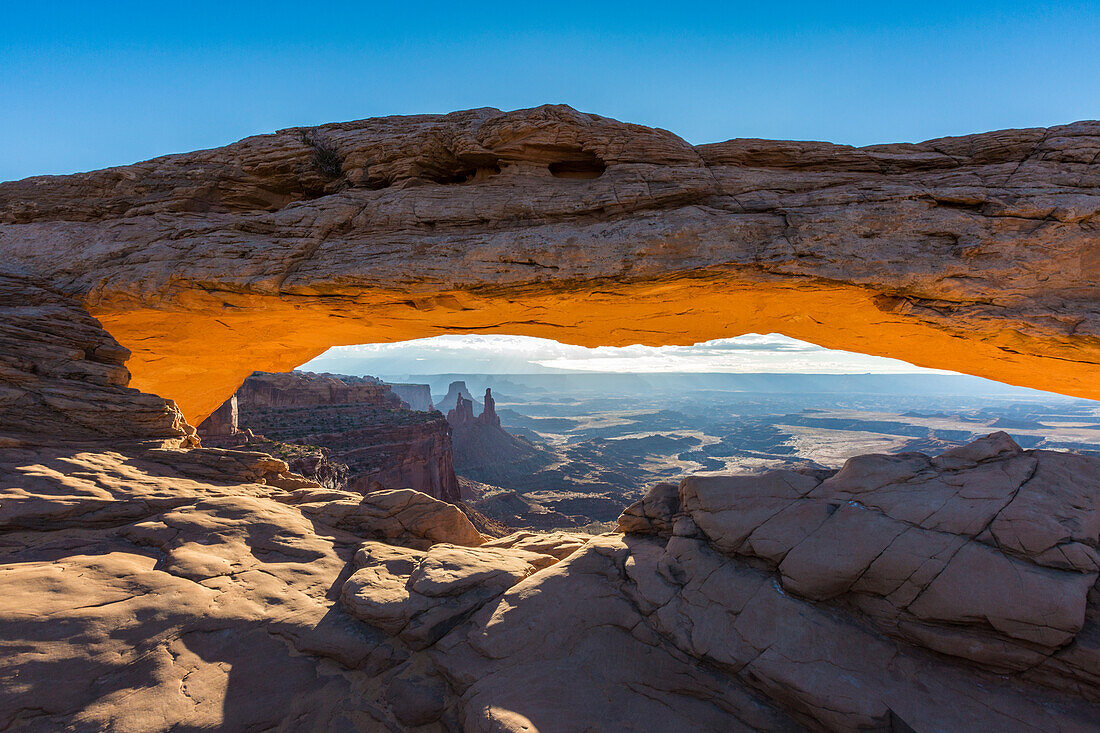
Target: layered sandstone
[[361, 424], [977, 254], [62, 377]]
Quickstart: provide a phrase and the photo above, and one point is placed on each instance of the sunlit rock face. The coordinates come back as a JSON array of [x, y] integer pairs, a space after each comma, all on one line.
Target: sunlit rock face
[[977, 254]]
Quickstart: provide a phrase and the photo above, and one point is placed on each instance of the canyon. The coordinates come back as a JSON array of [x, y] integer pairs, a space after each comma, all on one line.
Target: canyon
[[154, 581], [360, 422], [486, 452]]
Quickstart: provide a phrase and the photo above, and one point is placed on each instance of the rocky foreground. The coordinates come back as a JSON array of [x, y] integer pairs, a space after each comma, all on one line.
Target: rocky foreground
[[148, 588], [153, 585]]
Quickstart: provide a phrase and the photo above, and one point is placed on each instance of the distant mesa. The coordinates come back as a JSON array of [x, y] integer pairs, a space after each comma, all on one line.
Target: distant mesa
[[454, 391]]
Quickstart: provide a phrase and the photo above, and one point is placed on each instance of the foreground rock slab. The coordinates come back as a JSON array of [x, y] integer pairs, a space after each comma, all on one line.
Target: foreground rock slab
[[149, 588]]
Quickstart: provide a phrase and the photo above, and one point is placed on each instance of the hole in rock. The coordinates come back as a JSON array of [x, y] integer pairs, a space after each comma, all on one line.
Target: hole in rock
[[584, 165], [465, 175], [529, 433], [463, 169]]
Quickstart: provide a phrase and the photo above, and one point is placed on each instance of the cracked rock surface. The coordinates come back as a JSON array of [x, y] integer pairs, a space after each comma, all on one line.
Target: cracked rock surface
[[142, 593]]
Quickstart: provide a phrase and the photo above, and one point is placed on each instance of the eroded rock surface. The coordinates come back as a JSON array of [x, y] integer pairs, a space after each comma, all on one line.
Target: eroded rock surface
[[156, 589], [977, 254], [63, 377], [147, 588]]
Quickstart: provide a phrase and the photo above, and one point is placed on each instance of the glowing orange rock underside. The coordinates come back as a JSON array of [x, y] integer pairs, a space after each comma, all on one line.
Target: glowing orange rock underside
[[199, 353]]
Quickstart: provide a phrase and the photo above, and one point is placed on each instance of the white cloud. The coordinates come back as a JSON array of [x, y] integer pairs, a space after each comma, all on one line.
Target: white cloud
[[516, 354]]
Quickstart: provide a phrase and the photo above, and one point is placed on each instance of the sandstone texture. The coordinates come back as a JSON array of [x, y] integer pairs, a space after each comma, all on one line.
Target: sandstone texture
[[978, 254], [154, 589], [63, 377]]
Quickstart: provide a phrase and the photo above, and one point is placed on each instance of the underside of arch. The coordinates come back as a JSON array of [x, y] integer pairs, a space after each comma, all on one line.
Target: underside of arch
[[978, 254]]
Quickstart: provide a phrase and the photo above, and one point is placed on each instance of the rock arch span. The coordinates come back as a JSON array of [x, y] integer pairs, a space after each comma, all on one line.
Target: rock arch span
[[979, 254]]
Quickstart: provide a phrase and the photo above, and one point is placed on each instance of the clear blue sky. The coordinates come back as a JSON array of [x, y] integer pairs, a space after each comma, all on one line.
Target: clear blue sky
[[87, 85]]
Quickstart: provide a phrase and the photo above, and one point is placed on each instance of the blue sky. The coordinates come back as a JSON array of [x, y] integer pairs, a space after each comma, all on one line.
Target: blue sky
[[87, 85]]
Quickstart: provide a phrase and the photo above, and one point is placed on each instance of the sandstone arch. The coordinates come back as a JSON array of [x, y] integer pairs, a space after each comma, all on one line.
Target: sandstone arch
[[979, 254]]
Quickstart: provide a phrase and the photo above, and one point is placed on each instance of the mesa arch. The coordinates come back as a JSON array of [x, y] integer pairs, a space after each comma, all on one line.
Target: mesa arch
[[978, 254]]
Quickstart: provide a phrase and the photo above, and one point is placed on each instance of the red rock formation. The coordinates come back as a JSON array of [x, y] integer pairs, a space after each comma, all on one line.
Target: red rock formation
[[360, 422], [489, 415], [462, 416], [149, 586], [62, 377], [976, 254], [484, 451]]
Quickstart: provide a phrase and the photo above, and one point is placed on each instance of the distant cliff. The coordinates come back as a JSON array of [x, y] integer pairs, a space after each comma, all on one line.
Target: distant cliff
[[416, 396], [484, 451], [304, 389], [362, 424]]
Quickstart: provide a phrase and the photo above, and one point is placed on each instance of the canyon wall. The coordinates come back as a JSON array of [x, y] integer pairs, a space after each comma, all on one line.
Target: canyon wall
[[223, 422], [977, 254], [360, 422], [62, 377]]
